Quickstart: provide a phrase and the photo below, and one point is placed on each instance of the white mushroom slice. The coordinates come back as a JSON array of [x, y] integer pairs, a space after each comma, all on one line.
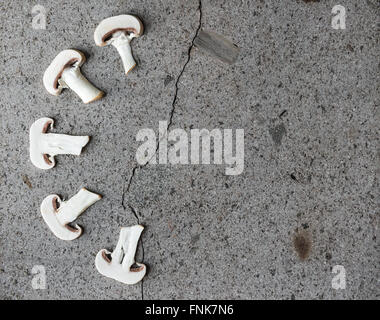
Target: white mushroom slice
[[119, 31], [44, 146], [64, 72], [58, 214], [118, 265]]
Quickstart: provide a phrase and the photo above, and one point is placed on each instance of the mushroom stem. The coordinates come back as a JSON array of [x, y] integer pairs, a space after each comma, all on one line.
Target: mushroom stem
[[130, 244], [122, 258], [126, 246], [117, 254], [74, 79], [122, 43], [71, 209], [54, 143]]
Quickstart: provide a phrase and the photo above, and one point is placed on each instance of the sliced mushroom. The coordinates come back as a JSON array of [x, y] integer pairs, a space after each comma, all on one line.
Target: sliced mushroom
[[64, 72], [58, 214], [118, 265], [119, 31], [44, 146]]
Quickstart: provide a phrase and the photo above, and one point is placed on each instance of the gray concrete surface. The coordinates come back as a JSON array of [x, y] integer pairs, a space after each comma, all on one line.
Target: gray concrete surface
[[306, 96]]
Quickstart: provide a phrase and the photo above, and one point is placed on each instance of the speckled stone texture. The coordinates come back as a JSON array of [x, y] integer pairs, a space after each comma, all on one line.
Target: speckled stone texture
[[306, 96]]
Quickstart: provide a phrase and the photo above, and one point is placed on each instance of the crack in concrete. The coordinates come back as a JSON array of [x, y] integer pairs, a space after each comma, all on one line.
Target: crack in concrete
[[126, 187], [186, 63], [127, 183]]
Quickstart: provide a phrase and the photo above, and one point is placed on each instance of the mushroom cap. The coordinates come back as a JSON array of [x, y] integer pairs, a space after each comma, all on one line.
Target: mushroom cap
[[111, 25], [49, 214], [64, 59], [38, 158], [116, 271]]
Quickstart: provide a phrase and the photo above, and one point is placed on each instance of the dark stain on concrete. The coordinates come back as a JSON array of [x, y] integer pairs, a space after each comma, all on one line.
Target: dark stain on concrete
[[277, 133], [167, 80], [26, 180], [302, 244], [350, 48], [195, 239]]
